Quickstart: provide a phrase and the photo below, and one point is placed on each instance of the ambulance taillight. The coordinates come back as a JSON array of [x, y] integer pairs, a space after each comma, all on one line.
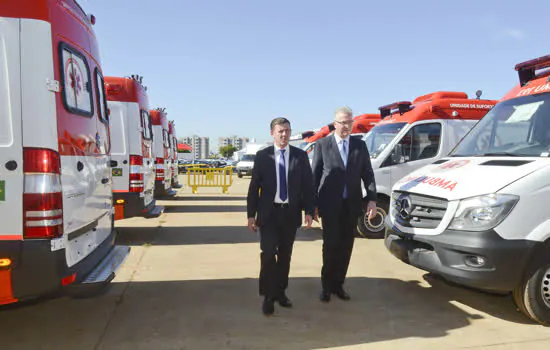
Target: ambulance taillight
[[42, 196], [160, 168], [136, 173]]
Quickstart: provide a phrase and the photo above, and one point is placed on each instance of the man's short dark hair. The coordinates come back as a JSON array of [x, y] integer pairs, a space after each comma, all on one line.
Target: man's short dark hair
[[279, 121]]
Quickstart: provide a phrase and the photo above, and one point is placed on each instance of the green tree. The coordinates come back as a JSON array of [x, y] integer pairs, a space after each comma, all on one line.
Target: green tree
[[227, 151]]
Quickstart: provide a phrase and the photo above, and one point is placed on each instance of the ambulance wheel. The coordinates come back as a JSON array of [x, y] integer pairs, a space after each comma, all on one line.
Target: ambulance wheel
[[533, 296], [373, 228], [240, 176]]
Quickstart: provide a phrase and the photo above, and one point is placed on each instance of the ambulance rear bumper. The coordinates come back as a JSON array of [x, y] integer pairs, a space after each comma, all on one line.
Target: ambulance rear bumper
[[36, 270]]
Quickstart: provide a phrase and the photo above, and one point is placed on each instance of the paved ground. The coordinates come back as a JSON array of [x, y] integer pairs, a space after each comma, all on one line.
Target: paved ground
[[191, 283]]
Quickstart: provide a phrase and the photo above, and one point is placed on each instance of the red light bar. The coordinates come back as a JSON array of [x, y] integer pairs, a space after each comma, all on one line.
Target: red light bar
[[402, 106], [113, 88], [526, 70]]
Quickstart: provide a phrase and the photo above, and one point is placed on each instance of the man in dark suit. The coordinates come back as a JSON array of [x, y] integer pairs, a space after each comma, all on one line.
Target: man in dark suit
[[280, 188], [339, 164]]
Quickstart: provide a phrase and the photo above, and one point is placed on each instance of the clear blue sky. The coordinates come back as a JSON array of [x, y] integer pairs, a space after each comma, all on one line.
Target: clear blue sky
[[229, 66]]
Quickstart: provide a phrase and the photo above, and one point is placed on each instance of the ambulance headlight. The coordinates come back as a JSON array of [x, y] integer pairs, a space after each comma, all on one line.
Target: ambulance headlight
[[483, 212]]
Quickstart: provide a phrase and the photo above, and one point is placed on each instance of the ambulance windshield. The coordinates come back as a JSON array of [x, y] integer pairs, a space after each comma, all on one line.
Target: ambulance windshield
[[381, 136], [514, 128]]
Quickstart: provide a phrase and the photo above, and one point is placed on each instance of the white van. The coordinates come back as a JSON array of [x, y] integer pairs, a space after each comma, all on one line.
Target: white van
[[246, 164], [174, 182], [161, 151], [132, 161], [55, 180], [479, 217], [411, 135]]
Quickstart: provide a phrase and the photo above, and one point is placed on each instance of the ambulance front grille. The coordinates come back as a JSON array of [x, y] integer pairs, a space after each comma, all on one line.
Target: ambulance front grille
[[417, 211]]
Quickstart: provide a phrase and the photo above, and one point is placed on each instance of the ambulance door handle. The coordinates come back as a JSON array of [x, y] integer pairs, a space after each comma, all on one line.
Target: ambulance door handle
[[114, 163], [105, 180]]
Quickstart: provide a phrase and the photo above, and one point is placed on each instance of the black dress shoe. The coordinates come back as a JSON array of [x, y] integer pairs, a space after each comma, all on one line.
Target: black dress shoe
[[284, 301], [324, 296], [342, 294], [268, 306]]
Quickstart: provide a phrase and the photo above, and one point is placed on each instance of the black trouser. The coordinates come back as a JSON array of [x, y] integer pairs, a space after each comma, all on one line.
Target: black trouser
[[338, 238], [276, 242]]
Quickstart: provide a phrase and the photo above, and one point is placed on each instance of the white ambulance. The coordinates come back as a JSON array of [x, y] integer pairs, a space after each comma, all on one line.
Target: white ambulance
[[161, 151], [412, 135], [132, 161], [174, 154], [55, 179], [480, 217]]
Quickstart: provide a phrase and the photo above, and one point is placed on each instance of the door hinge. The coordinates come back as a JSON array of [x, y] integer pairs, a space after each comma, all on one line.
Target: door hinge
[[53, 85], [58, 243]]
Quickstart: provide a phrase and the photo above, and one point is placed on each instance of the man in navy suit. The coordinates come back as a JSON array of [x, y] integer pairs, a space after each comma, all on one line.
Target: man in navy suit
[[280, 188], [340, 163]]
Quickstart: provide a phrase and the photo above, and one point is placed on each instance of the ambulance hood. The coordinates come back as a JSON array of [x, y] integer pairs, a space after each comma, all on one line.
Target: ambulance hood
[[459, 178]]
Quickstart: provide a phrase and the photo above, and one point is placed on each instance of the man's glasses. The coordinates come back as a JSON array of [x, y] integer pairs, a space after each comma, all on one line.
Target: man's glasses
[[345, 123]]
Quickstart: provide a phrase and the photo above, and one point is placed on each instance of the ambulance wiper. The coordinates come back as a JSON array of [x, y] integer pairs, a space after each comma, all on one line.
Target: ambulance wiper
[[500, 154]]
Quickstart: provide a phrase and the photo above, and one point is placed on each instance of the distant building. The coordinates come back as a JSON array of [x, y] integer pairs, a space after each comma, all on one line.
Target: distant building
[[201, 145], [238, 142]]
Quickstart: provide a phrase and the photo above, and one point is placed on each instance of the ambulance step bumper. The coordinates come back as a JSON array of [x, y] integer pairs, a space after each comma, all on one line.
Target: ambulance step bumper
[[105, 271], [155, 212]]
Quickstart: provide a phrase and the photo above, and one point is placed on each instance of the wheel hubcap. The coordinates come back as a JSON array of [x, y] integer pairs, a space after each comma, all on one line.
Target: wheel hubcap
[[545, 288], [378, 224]]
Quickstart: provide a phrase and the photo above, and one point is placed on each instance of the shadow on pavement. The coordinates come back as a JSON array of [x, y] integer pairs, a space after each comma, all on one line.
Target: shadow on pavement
[[199, 235], [205, 209], [226, 313], [189, 198]]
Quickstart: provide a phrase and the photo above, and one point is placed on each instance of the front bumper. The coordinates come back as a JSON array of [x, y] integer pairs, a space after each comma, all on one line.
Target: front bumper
[[244, 171], [447, 254]]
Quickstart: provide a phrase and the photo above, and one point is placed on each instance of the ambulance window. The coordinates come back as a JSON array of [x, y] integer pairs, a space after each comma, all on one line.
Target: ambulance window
[[101, 101], [75, 79], [426, 139], [165, 139], [420, 142], [146, 125]]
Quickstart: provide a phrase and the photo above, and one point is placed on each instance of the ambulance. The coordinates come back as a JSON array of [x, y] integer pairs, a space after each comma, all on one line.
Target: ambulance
[[161, 150], [133, 164], [479, 217], [55, 175], [174, 182], [412, 135]]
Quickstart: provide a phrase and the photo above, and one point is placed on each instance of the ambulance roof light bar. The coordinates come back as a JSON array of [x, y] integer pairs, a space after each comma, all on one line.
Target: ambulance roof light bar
[[401, 106], [527, 70]]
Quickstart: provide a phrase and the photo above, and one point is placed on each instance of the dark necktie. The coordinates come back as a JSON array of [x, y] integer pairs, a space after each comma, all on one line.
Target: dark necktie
[[345, 160], [282, 176]]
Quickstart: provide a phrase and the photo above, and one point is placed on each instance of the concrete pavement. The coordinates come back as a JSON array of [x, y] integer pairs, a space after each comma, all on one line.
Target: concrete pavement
[[190, 282]]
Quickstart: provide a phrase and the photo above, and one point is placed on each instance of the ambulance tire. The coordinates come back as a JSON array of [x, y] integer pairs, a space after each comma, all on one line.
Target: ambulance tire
[[376, 228], [240, 176], [533, 296]]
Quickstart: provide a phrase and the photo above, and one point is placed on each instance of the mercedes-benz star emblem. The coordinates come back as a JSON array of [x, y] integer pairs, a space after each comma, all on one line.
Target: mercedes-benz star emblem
[[404, 206]]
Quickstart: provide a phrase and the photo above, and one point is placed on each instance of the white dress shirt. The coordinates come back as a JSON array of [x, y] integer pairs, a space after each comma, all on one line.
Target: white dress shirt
[[339, 143], [277, 157]]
